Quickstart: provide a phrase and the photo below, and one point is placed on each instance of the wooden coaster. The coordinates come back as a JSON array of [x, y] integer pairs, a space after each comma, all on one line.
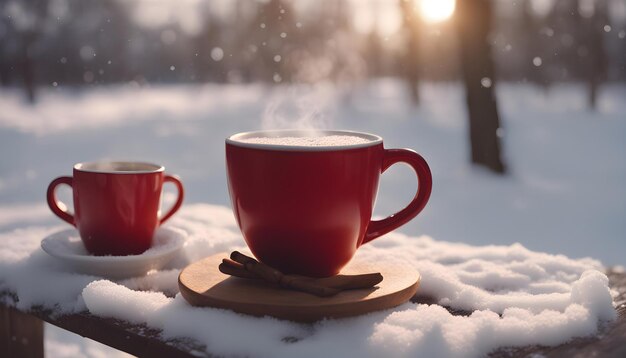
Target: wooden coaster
[[202, 284]]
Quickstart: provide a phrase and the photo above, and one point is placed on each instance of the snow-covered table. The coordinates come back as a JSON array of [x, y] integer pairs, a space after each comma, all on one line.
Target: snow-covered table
[[473, 301], [142, 341]]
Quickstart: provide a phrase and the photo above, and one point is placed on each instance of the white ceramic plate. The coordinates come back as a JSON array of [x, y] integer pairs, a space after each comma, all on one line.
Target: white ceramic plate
[[67, 246]]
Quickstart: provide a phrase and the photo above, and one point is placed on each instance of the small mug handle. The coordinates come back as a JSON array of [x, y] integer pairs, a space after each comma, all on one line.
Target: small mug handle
[[53, 203], [378, 228], [179, 201]]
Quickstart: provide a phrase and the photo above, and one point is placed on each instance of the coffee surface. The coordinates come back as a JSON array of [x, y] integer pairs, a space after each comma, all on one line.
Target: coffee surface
[[321, 141]]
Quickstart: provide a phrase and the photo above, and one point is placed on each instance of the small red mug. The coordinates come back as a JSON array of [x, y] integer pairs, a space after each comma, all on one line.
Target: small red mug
[[116, 204], [307, 209]]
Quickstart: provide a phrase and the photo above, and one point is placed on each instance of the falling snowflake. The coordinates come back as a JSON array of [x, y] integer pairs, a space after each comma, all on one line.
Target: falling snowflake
[[54, 84], [277, 58], [172, 68], [283, 34], [485, 82], [88, 76], [537, 61], [217, 54], [262, 25], [277, 78], [607, 28], [87, 53]]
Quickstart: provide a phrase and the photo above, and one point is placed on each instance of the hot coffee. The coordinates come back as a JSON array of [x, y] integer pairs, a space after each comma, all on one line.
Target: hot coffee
[[309, 141]]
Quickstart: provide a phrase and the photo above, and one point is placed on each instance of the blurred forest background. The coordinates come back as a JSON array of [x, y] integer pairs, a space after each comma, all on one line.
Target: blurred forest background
[[78, 43], [533, 89]]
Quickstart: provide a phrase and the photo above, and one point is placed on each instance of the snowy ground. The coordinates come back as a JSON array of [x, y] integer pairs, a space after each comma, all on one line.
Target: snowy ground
[[565, 192]]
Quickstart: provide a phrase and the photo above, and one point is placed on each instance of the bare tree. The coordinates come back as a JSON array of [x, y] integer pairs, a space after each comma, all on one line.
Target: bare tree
[[6, 35], [473, 21], [597, 62], [28, 21], [530, 28], [411, 28]]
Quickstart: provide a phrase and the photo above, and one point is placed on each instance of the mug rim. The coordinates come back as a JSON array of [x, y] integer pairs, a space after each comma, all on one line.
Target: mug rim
[[91, 167], [234, 140]]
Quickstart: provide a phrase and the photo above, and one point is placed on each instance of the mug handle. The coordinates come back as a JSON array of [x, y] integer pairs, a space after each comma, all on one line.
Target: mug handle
[[378, 228], [181, 194], [53, 203]]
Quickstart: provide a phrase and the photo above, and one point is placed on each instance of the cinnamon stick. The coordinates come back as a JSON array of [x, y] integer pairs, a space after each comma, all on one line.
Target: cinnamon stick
[[265, 272], [343, 282], [309, 287], [274, 276], [350, 282], [230, 267], [244, 266]]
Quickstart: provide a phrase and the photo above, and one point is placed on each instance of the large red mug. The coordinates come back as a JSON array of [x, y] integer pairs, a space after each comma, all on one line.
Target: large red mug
[[116, 205], [307, 209]]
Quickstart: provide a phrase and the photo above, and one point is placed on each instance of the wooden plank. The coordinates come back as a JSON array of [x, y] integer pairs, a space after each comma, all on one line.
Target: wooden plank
[[138, 340], [21, 335]]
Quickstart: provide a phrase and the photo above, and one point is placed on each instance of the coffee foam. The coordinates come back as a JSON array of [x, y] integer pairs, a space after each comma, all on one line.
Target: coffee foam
[[321, 141]]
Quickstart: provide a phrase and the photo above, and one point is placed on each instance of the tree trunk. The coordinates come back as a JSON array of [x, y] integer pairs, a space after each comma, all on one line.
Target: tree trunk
[[5, 63], [27, 66], [593, 84], [597, 58], [411, 58], [473, 22]]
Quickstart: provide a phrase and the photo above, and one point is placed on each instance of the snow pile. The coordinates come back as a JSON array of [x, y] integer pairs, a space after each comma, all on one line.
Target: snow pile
[[517, 297]]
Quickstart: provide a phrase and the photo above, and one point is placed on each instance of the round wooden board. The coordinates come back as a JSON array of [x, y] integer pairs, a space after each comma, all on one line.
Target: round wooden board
[[202, 284]]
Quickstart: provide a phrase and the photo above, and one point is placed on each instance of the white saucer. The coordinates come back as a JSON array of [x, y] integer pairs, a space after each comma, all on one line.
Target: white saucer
[[67, 246]]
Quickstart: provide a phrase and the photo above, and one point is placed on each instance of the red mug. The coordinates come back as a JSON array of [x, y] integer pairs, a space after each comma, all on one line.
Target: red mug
[[307, 209], [116, 204]]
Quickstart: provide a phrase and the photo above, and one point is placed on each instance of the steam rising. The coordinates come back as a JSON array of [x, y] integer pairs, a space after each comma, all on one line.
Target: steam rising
[[303, 107]]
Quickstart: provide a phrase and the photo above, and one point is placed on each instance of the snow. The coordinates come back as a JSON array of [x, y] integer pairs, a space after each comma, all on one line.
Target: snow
[[564, 197]]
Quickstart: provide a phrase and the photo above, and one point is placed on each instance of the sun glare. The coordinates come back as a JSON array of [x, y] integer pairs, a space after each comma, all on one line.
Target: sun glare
[[436, 10]]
